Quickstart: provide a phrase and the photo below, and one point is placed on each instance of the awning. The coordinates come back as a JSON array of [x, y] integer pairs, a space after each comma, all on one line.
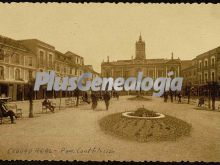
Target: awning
[[12, 82]]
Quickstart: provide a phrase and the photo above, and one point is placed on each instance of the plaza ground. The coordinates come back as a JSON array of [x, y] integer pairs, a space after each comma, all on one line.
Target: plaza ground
[[68, 132]]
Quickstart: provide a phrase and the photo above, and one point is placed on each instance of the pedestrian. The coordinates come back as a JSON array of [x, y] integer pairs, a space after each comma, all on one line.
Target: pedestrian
[[5, 112], [106, 99], [94, 100], [165, 96], [179, 97], [86, 98], [171, 96], [48, 105], [76, 94], [175, 95], [117, 95], [201, 101]]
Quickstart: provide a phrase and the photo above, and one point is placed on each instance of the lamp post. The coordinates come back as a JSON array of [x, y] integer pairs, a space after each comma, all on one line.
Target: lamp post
[[189, 91], [30, 97]]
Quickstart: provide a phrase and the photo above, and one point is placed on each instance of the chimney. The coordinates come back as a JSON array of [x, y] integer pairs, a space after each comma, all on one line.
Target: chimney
[[107, 58]]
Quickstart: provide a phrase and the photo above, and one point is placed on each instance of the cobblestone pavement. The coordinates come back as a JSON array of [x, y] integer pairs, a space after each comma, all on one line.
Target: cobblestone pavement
[[74, 133]]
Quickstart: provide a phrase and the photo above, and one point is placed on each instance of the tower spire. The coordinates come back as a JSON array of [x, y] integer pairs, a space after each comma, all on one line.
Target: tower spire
[[140, 38], [140, 49]]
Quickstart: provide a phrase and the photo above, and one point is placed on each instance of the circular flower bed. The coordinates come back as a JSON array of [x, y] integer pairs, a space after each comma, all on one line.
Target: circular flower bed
[[144, 130], [139, 98]]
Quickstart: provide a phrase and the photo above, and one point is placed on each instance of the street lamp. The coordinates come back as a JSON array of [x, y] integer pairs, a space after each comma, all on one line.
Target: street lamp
[[30, 97], [188, 90]]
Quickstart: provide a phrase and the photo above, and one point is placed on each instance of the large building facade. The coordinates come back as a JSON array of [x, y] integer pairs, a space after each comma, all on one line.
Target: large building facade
[[150, 67], [204, 68], [21, 59]]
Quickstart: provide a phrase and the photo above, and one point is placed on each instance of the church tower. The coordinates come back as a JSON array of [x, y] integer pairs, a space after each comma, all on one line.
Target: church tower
[[140, 49]]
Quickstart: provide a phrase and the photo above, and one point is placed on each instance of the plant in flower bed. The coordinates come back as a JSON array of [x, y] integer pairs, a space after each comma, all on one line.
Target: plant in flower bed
[[144, 130], [142, 112]]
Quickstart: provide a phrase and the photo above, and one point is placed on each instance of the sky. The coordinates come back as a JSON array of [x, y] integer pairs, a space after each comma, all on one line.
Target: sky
[[96, 30]]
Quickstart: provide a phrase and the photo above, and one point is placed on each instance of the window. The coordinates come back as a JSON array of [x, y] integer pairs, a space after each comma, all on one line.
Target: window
[[41, 59], [17, 74], [160, 73], [213, 61], [50, 59], [29, 61], [65, 70], [76, 72], [206, 63], [58, 68], [126, 74], [1, 72], [213, 76], [200, 64], [30, 73], [200, 79], [206, 77], [2, 54], [17, 58]]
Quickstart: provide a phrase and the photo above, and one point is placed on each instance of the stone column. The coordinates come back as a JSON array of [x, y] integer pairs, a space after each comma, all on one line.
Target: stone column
[[112, 73], [122, 72]]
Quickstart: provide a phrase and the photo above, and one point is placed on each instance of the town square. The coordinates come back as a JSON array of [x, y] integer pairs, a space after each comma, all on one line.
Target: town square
[[135, 83]]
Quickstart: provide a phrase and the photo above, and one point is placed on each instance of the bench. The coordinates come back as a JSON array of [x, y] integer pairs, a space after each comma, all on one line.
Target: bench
[[18, 111], [69, 102], [44, 108]]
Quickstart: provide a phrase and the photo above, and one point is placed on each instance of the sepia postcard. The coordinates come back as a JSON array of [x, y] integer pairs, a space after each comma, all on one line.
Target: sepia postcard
[[110, 82]]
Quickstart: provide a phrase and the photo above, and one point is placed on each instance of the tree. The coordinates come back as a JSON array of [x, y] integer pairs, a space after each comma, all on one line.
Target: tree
[[189, 91]]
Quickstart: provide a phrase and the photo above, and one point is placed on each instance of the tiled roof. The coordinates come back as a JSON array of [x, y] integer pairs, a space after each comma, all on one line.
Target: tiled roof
[[146, 61], [11, 42]]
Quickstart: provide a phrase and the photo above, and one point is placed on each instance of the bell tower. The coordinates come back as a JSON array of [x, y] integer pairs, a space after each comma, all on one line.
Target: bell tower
[[140, 49]]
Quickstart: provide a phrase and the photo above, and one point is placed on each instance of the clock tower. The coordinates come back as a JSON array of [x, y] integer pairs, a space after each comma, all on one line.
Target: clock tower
[[140, 49]]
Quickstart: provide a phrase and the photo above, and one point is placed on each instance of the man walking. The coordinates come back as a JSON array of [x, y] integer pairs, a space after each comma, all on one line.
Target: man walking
[[107, 99], [94, 100]]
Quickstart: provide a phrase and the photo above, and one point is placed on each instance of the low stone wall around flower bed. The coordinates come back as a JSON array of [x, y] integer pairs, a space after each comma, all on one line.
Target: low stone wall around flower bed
[[127, 114]]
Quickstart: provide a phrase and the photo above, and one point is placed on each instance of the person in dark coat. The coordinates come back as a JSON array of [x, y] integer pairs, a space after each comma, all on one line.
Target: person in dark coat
[[5, 112], [201, 101], [179, 97], [165, 96], [94, 100], [171, 96], [76, 94], [48, 105], [106, 99]]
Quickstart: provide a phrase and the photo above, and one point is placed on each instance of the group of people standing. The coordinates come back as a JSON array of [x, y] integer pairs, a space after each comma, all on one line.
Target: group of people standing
[[172, 94], [94, 97]]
